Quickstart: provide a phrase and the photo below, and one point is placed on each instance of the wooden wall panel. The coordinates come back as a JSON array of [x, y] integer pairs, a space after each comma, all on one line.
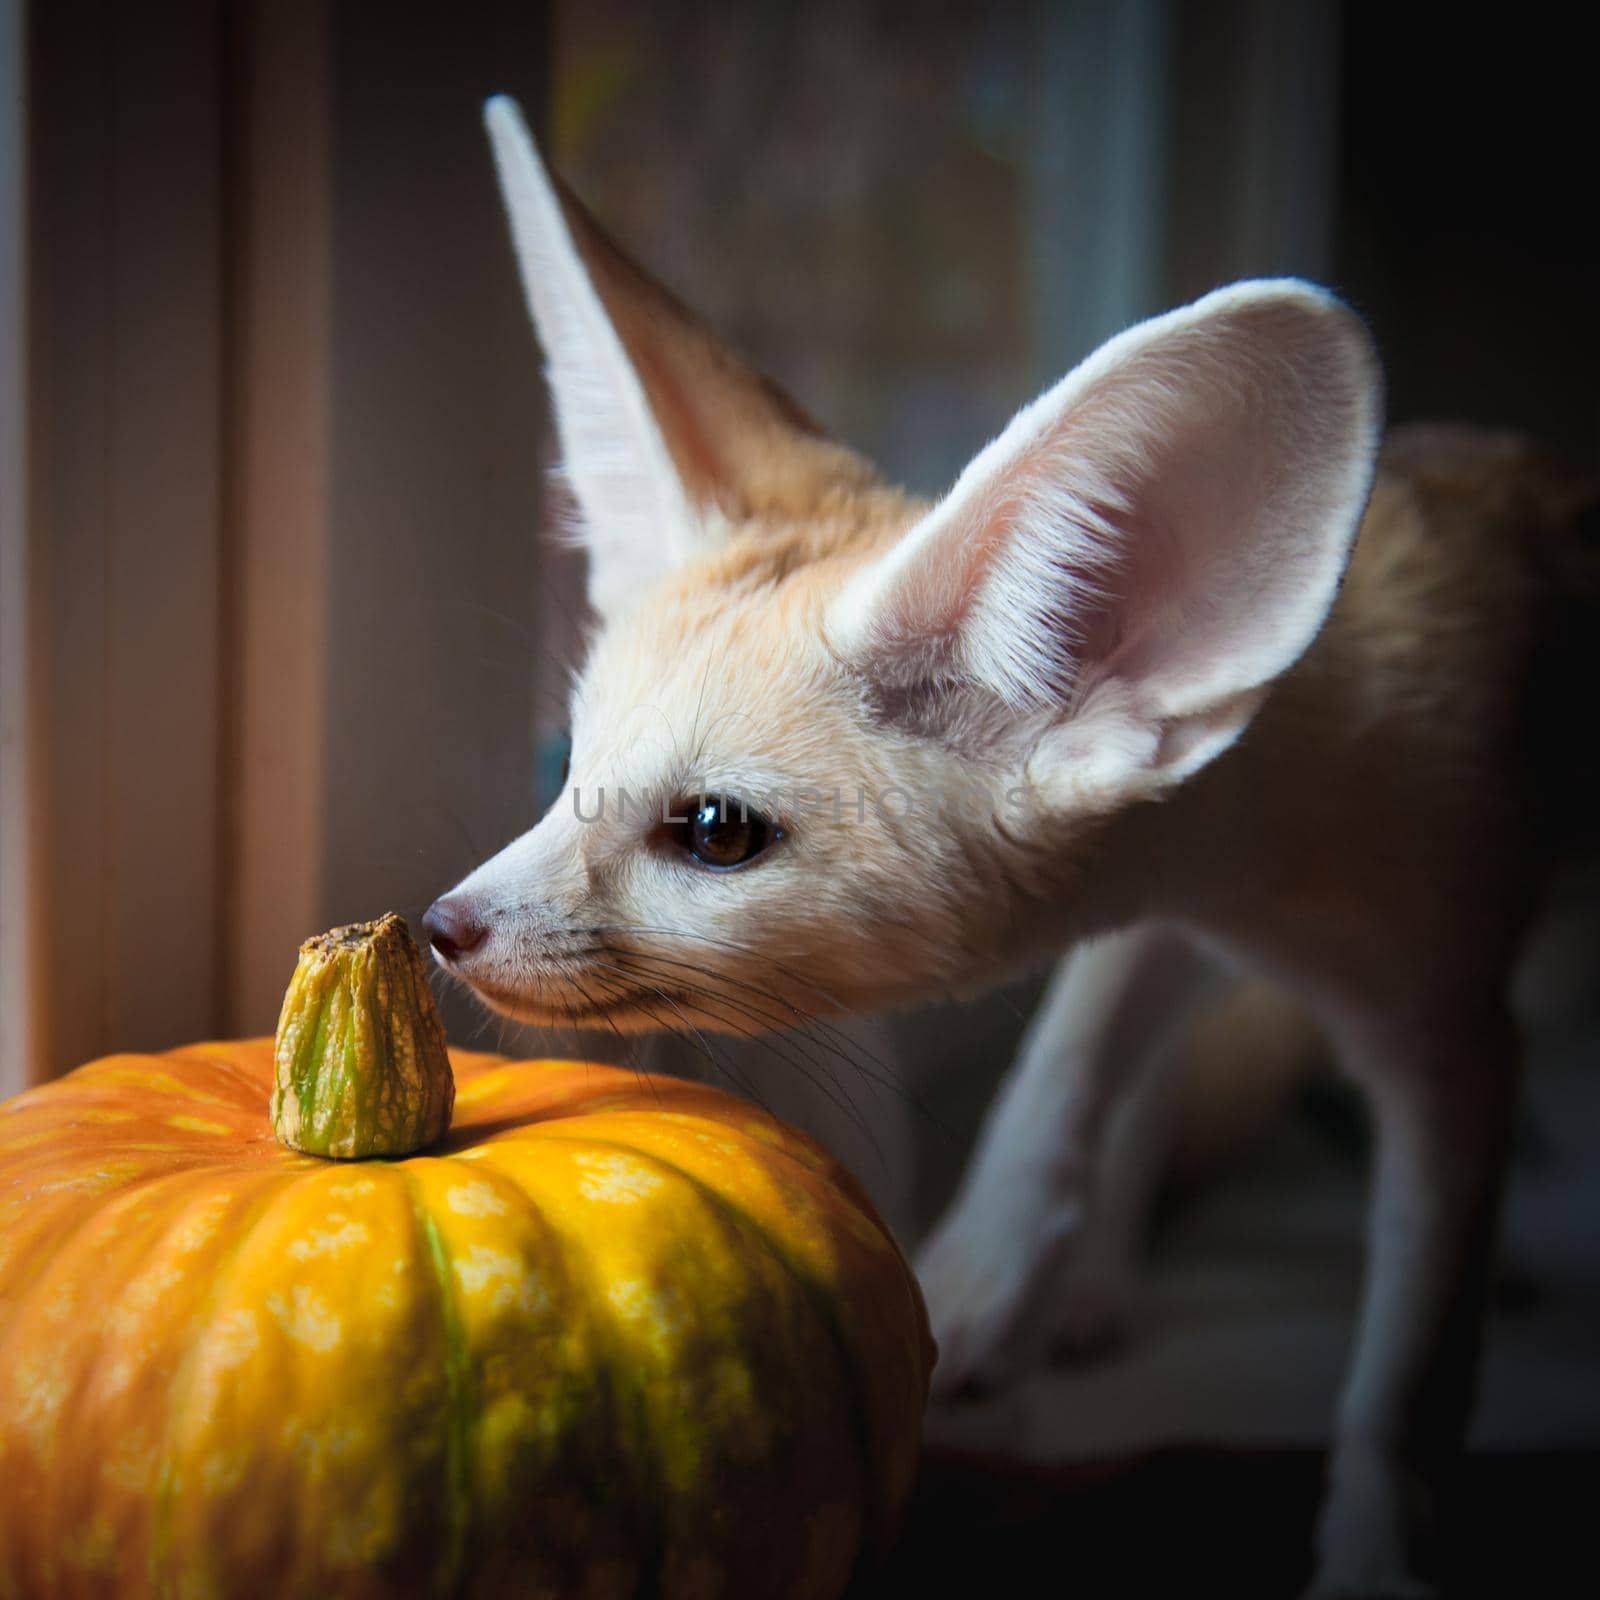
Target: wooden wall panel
[[275, 657], [125, 454]]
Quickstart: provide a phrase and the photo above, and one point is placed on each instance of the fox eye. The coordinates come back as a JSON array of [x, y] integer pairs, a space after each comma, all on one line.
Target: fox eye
[[721, 831]]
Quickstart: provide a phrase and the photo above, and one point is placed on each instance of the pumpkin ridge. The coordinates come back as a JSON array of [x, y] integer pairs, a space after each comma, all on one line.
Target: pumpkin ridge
[[274, 1187], [470, 1128], [175, 1159], [815, 1293], [766, 1150], [620, 1090], [289, 1563], [119, 1073], [637, 1485], [61, 1243], [154, 1251], [221, 1060], [849, 1364], [639, 1482], [458, 1400], [31, 1564]]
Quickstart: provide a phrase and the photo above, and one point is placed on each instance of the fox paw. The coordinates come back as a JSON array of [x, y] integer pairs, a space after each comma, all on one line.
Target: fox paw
[[1378, 1517], [986, 1296]]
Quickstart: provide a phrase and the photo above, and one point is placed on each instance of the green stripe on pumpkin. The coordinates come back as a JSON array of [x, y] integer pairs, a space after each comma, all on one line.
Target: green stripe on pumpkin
[[459, 1408]]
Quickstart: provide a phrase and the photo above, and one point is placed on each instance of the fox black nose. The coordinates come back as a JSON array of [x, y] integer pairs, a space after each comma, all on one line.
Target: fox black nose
[[452, 928]]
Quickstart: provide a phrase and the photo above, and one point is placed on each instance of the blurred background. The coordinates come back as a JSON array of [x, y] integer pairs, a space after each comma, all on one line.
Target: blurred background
[[281, 645]]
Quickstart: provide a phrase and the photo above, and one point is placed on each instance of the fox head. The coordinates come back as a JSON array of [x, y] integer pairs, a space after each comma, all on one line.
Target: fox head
[[834, 747]]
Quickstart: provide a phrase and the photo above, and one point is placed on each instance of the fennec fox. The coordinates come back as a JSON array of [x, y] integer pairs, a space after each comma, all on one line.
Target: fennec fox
[[1133, 690]]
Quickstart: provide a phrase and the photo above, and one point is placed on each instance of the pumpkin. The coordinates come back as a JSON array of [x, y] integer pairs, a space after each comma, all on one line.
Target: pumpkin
[[611, 1335]]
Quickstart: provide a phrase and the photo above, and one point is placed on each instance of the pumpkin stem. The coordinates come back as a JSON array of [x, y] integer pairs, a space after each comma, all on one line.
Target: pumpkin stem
[[362, 1068]]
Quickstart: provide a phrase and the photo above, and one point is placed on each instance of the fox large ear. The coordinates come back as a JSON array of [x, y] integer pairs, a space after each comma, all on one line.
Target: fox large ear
[[1113, 582], [665, 434]]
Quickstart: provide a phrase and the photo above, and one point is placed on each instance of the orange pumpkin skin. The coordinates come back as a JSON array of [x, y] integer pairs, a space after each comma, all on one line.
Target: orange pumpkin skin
[[613, 1335]]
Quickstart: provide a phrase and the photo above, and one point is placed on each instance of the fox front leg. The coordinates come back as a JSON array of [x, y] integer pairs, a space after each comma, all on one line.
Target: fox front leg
[[1034, 1190]]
